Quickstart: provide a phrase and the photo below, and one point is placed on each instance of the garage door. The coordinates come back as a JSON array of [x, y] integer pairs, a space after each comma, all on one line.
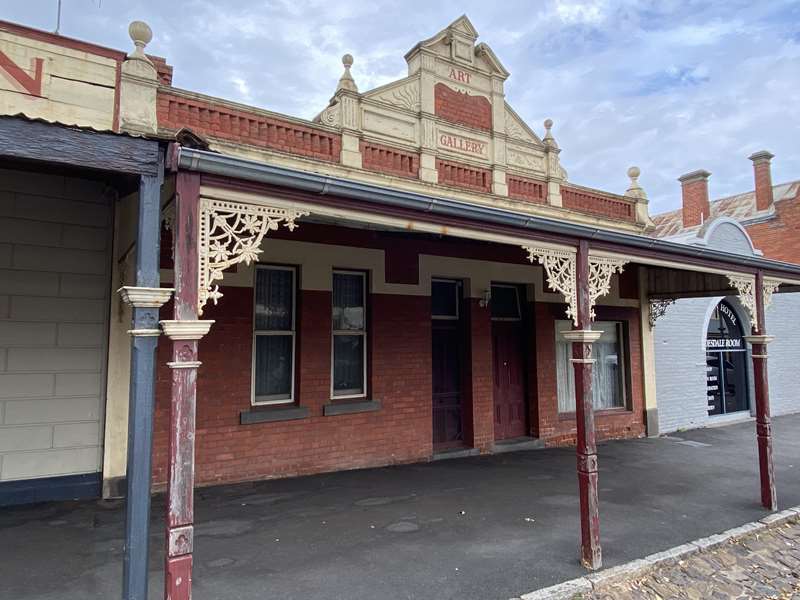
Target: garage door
[[54, 287]]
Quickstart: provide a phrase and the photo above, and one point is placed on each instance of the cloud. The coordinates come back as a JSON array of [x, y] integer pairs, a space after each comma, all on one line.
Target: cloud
[[669, 85]]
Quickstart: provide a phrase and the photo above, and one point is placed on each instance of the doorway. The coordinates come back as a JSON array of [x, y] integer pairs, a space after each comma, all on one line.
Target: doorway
[[726, 363], [508, 362], [447, 351]]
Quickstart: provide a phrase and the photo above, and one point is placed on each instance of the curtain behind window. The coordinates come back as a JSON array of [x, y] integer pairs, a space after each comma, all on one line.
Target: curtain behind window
[[607, 387]]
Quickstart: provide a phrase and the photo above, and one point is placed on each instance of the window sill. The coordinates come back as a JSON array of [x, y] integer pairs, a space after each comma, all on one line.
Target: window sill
[[271, 415], [351, 407], [606, 412]]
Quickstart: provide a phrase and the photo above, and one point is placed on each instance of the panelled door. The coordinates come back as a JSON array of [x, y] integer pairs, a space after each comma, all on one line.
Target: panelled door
[[446, 358], [508, 363]]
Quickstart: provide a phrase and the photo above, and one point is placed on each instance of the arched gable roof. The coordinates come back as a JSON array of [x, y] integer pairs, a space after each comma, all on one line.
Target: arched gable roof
[[727, 234]]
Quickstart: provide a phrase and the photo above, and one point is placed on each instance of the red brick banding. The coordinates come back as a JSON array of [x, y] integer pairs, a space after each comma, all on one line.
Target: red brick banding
[[529, 190], [597, 204], [215, 120], [464, 176], [462, 108], [393, 161]]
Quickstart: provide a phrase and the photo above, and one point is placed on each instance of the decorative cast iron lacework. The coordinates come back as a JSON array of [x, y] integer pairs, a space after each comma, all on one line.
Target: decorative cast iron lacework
[[746, 287], [658, 308], [230, 233], [601, 269], [769, 287], [560, 268]]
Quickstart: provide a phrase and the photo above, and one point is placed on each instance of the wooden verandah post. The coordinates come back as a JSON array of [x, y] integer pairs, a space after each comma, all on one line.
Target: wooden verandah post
[[759, 340], [145, 298], [582, 338], [185, 330]]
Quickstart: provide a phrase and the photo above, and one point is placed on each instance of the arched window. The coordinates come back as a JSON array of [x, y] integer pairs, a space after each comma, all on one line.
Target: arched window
[[726, 362]]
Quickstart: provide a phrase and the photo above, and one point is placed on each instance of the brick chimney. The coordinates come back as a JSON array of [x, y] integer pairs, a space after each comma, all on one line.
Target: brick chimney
[[763, 176], [694, 189]]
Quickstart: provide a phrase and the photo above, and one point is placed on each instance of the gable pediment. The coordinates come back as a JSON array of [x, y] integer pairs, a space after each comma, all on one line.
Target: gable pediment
[[403, 93], [451, 107], [517, 129]]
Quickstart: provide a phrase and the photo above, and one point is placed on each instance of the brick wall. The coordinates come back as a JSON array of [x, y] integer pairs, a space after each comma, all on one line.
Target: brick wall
[[400, 349], [400, 379], [480, 377], [560, 429], [216, 120], [460, 107], [779, 238]]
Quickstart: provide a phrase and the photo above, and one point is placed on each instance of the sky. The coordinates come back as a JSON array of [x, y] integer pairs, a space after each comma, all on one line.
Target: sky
[[669, 86]]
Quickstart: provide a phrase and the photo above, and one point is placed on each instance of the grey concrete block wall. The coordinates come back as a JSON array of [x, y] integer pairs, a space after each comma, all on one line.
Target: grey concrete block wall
[[783, 322], [55, 238], [679, 339]]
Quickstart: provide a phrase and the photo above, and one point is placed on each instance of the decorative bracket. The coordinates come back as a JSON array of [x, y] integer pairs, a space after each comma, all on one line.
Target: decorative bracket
[[769, 287], [230, 233], [658, 308], [601, 269], [746, 286], [168, 216], [559, 267]]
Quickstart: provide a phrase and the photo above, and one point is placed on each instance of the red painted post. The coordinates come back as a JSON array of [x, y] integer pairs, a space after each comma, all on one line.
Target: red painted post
[[759, 341], [591, 554], [185, 333]]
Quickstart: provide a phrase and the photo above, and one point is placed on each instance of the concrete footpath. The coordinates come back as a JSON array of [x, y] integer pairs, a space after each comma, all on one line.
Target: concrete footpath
[[479, 528]]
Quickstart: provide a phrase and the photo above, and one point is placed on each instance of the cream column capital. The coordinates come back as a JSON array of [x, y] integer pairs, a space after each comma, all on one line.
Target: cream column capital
[[146, 301], [145, 297], [759, 339], [186, 330], [582, 336]]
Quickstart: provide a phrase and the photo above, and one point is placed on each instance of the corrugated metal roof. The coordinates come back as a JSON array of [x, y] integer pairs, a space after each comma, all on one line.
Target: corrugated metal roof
[[741, 207], [25, 117]]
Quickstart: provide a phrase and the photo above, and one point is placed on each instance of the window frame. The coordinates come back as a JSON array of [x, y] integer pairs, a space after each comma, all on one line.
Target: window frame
[[364, 333], [273, 399], [517, 295], [457, 288], [621, 326]]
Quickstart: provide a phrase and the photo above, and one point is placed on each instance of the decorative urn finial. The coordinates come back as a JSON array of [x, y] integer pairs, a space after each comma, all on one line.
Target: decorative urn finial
[[141, 34], [549, 140], [635, 190], [346, 81]]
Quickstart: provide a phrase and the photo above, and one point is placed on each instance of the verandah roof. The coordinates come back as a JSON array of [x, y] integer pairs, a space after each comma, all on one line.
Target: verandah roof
[[324, 189]]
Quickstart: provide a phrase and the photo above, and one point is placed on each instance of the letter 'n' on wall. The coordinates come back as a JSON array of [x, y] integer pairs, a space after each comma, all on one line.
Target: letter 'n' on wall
[[15, 74]]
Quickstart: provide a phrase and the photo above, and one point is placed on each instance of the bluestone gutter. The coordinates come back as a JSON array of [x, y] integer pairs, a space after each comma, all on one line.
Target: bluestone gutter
[[222, 165]]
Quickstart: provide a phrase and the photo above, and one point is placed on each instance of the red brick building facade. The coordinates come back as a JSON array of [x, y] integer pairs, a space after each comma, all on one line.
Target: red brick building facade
[[770, 213]]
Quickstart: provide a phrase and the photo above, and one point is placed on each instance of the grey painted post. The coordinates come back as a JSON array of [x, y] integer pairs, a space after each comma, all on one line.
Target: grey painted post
[[146, 298]]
